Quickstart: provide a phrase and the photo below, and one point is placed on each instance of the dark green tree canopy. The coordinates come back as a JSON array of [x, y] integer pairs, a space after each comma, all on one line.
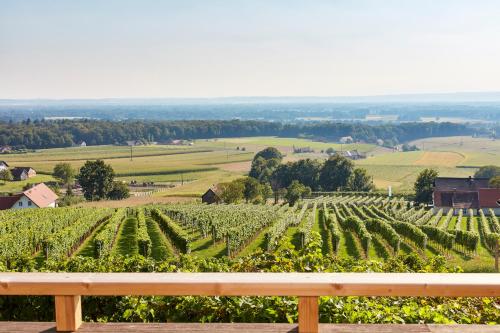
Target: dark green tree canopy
[[119, 191], [495, 182], [65, 133], [424, 186], [335, 173], [264, 163], [6, 175], [488, 171], [360, 181], [269, 153], [96, 179], [64, 172], [295, 192]]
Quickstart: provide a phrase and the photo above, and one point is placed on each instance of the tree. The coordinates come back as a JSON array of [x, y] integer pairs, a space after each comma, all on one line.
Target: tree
[[266, 191], [269, 153], [295, 192], [6, 175], [423, 186], [119, 191], [264, 163], [495, 182], [96, 179], [232, 192], [360, 181], [487, 171], [65, 173], [330, 151], [252, 189], [335, 173]]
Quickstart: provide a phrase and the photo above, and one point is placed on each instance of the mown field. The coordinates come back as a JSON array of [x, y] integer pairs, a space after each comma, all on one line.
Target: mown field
[[358, 227], [208, 162]]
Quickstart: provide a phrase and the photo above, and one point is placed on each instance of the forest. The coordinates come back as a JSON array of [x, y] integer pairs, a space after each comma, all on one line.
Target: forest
[[40, 134]]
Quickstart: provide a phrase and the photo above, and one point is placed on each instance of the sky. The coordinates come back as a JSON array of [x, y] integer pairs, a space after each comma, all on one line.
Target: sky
[[186, 48]]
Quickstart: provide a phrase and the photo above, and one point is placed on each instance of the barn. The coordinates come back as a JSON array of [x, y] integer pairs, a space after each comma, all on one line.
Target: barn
[[465, 193], [23, 173], [212, 195]]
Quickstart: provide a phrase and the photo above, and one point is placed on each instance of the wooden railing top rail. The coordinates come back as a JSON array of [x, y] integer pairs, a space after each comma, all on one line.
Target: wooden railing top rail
[[252, 284]]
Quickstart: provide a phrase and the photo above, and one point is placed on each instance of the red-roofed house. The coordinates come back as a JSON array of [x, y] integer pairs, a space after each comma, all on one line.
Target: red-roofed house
[[39, 196]]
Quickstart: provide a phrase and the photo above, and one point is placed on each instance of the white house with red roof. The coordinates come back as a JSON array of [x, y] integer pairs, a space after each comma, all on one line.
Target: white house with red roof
[[39, 196]]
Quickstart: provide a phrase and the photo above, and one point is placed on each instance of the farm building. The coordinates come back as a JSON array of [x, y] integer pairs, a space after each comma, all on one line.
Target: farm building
[[39, 196], [353, 155], [346, 139], [5, 149], [301, 150], [133, 143], [465, 193], [3, 165], [212, 195], [23, 173]]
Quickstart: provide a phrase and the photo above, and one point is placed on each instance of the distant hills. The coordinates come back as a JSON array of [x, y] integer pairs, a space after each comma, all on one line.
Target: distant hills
[[470, 97]]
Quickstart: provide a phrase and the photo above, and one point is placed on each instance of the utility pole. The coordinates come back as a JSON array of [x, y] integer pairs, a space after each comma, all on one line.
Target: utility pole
[[131, 152], [182, 179]]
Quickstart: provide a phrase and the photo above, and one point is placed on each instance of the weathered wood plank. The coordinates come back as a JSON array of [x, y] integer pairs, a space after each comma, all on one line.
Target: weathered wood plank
[[30, 327], [308, 314], [252, 284]]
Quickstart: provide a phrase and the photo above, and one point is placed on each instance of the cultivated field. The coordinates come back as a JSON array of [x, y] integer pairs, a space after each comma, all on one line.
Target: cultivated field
[[208, 162]]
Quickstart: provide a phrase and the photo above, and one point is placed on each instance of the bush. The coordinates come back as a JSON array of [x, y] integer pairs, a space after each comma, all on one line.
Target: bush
[[119, 191]]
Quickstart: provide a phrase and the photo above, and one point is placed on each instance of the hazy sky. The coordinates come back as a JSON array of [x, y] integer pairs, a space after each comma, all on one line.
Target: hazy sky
[[184, 48]]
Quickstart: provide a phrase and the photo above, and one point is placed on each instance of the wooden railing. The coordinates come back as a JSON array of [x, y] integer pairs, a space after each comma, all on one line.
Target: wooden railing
[[69, 287]]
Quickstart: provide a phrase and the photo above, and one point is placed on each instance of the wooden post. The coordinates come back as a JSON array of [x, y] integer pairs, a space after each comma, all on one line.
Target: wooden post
[[68, 313], [497, 254], [308, 314]]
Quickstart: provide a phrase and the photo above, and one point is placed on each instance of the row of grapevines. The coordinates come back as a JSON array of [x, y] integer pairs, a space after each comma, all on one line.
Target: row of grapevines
[[385, 230], [441, 237], [466, 239], [410, 232], [172, 230], [278, 229], [63, 243], [105, 239], [491, 238], [357, 226], [495, 224], [143, 239], [434, 221], [33, 227], [458, 225], [447, 220], [470, 219], [306, 229], [334, 232]]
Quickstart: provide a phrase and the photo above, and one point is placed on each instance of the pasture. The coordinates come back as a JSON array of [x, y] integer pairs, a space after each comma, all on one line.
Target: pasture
[[195, 168]]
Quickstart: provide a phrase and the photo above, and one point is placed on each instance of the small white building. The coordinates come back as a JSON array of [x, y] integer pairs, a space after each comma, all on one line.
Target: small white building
[[346, 139], [3, 165], [39, 196]]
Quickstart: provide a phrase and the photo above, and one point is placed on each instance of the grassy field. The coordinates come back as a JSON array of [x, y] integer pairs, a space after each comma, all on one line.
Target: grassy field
[[475, 151], [208, 162]]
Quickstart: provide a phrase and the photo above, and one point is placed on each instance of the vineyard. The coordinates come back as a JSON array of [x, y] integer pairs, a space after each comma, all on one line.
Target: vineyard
[[356, 226]]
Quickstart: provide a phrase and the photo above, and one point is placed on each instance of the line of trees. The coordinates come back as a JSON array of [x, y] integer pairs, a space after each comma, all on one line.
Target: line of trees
[[295, 180], [64, 133], [96, 178]]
